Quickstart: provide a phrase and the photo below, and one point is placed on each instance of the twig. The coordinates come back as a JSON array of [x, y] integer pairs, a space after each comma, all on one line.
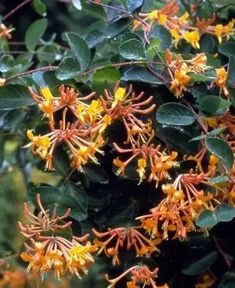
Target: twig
[[14, 10], [199, 120], [47, 68], [223, 254]]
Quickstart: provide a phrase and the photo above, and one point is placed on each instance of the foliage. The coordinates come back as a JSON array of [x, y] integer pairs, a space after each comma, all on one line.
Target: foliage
[[118, 120]]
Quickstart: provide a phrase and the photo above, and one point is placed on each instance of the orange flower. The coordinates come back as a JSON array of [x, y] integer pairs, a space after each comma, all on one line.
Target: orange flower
[[47, 251], [123, 238], [221, 80], [140, 275], [180, 81]]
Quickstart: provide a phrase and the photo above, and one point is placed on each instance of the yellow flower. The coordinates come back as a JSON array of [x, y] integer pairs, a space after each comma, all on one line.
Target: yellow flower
[[119, 96], [46, 93], [94, 110], [176, 36], [192, 38], [40, 144], [47, 106], [141, 168], [221, 79], [184, 18], [219, 30], [180, 81], [158, 16], [229, 29]]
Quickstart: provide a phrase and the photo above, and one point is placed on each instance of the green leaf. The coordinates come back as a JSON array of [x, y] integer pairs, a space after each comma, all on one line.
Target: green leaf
[[133, 5], [225, 212], [140, 74], [14, 96], [6, 63], [163, 35], [202, 77], [35, 33], [67, 69], [77, 4], [132, 49], [231, 72], [79, 49], [105, 79], [206, 219], [70, 196], [227, 48], [40, 7], [174, 114], [212, 105], [221, 149], [201, 265]]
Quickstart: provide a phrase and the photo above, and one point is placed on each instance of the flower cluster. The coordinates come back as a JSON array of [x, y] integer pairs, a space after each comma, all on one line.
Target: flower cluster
[[123, 238], [47, 251], [181, 70], [82, 122], [176, 214], [79, 126], [140, 275], [181, 27]]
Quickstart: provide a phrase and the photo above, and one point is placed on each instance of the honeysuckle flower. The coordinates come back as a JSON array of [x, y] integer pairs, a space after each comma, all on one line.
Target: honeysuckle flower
[[125, 106], [159, 162], [68, 97], [116, 239], [221, 80], [47, 251], [5, 32], [192, 38], [140, 275], [182, 27], [82, 136], [180, 81], [176, 214], [39, 144]]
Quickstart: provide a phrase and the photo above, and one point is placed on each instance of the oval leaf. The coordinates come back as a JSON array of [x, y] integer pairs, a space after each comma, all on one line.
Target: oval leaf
[[221, 149], [105, 79], [225, 212], [132, 49], [34, 33], [68, 68], [14, 96], [140, 74], [79, 49], [206, 219], [174, 114], [212, 105], [227, 48]]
